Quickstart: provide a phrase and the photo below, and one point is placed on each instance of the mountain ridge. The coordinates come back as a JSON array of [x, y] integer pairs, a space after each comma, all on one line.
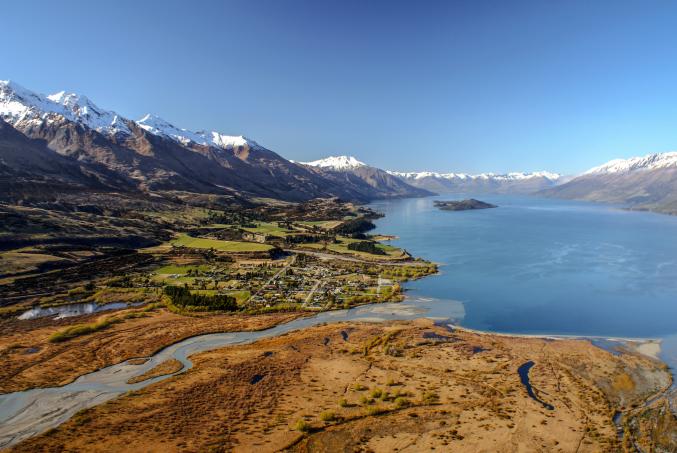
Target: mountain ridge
[[336, 163], [648, 162], [347, 170], [515, 182], [640, 183], [158, 156]]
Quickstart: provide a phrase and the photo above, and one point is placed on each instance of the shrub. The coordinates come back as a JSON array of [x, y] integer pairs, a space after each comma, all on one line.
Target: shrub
[[401, 402], [430, 398], [302, 425], [80, 329], [343, 402], [77, 291], [328, 416], [376, 393], [375, 410]]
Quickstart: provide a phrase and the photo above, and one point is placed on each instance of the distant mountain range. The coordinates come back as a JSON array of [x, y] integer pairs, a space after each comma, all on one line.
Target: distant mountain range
[[350, 172], [641, 183], [517, 183], [64, 142], [429, 182], [152, 155]]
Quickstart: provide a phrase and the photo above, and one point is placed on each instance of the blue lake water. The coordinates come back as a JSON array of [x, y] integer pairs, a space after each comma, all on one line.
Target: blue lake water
[[544, 266]]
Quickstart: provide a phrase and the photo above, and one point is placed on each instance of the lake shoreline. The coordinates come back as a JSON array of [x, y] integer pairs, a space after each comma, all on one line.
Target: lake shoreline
[[650, 347]]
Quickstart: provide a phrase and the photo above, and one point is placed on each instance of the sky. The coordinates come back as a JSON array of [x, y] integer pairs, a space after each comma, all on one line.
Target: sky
[[472, 86]]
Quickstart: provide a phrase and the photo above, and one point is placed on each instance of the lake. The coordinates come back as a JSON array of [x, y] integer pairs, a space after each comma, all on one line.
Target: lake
[[544, 266]]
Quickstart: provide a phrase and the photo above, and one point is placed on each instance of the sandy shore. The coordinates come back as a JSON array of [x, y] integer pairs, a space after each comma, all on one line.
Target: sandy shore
[[650, 347]]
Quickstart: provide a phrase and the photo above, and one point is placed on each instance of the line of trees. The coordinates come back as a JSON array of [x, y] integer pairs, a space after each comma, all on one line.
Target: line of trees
[[367, 247], [359, 225], [182, 297]]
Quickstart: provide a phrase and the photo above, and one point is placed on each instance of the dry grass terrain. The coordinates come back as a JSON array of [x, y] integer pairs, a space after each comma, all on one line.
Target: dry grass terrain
[[404, 386], [30, 359]]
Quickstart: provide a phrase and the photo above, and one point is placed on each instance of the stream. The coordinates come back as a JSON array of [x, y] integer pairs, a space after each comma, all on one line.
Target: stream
[[28, 413], [31, 412]]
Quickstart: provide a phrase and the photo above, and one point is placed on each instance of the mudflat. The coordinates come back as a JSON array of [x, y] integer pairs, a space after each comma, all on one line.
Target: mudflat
[[408, 386]]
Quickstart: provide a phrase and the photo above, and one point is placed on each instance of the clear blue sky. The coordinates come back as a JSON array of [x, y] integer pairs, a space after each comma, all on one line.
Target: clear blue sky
[[449, 86]]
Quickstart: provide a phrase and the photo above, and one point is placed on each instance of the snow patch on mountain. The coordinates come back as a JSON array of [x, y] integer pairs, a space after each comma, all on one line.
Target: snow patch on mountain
[[514, 176], [17, 104], [338, 163], [648, 162]]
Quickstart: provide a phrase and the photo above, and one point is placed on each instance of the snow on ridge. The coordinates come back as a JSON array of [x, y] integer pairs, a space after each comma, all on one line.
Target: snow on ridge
[[19, 104], [486, 176], [158, 126], [227, 141], [337, 163], [648, 162]]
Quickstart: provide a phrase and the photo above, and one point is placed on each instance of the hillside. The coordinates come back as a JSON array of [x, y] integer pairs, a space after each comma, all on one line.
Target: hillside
[[153, 155], [642, 183], [347, 171]]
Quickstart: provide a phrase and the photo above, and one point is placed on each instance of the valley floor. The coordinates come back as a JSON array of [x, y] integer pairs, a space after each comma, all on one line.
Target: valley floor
[[398, 386], [391, 386]]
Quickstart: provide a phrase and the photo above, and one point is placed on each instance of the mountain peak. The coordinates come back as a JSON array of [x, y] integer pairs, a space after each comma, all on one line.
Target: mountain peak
[[648, 162], [337, 163], [18, 104], [158, 126]]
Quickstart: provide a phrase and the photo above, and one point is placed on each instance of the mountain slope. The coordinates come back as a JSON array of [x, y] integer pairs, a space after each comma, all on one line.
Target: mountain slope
[[158, 156], [646, 183], [518, 183], [370, 181], [29, 169]]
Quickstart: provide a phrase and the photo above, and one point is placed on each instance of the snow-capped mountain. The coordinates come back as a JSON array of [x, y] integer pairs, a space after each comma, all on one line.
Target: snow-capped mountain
[[152, 154], [480, 183], [648, 162], [337, 163], [349, 171], [647, 183], [515, 176], [21, 106]]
